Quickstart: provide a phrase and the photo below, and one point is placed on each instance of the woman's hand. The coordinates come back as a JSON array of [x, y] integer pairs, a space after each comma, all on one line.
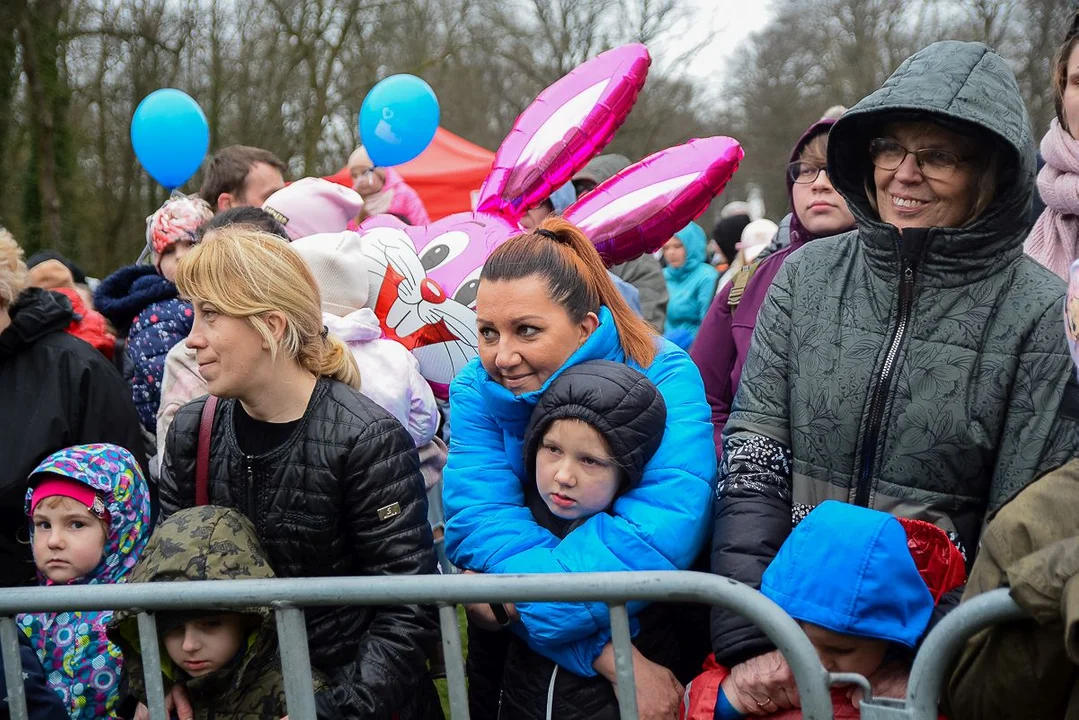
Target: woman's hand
[[659, 694], [483, 616], [762, 685], [176, 700], [888, 681]]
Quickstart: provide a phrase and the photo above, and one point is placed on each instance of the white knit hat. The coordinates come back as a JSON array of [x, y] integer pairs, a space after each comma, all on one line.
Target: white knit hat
[[340, 269]]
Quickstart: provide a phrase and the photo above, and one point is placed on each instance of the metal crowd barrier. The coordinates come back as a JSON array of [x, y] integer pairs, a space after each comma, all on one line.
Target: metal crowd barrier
[[288, 597]]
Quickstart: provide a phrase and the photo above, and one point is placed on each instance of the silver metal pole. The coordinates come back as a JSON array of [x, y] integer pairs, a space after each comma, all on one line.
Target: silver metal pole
[[16, 691], [944, 643], [455, 661], [623, 662], [151, 666], [295, 662]]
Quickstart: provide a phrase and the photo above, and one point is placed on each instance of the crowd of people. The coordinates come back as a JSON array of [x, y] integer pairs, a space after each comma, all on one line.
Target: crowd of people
[[867, 411]]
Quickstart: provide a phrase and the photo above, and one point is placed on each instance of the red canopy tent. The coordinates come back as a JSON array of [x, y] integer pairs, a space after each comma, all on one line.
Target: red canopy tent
[[445, 174]]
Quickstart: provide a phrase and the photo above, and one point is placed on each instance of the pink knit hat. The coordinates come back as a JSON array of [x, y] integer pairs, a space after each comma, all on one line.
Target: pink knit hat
[[77, 491], [313, 205], [178, 219]]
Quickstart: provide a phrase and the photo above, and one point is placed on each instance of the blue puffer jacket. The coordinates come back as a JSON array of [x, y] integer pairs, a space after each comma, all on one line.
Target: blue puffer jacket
[[691, 287], [146, 307], [661, 524]]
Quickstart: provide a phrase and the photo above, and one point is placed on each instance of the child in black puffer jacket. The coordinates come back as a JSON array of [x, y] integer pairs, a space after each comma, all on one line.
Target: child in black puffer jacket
[[141, 301], [588, 441]]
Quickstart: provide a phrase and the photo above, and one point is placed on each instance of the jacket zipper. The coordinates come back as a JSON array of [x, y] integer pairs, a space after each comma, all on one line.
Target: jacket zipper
[[884, 382], [252, 511]]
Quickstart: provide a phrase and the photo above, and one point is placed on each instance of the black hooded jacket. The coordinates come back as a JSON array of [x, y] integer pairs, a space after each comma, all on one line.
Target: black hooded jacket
[[55, 391], [628, 411]]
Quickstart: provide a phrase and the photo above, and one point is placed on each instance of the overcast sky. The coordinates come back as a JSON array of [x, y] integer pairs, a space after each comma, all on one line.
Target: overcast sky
[[727, 23]]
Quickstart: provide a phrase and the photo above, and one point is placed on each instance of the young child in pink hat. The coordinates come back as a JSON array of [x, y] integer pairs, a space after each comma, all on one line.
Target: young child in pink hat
[[89, 509]]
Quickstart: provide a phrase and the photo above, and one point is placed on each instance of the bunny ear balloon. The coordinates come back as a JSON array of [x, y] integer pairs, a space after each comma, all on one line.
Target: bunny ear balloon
[[170, 136], [563, 129], [640, 208]]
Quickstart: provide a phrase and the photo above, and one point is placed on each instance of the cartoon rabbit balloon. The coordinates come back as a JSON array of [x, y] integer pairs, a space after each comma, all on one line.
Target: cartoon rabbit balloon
[[423, 285]]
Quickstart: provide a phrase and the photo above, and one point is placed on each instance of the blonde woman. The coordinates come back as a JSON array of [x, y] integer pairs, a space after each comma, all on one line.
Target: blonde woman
[[330, 480]]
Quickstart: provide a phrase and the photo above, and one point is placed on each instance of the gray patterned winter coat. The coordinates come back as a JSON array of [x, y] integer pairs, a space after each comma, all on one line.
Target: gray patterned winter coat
[[928, 378]]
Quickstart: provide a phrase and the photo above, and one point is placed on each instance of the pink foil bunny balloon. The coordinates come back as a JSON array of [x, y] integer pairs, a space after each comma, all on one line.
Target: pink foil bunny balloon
[[423, 287]]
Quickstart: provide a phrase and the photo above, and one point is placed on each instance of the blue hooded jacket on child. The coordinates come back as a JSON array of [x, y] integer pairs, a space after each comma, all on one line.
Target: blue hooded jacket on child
[[691, 287], [849, 569], [145, 306], [80, 663]]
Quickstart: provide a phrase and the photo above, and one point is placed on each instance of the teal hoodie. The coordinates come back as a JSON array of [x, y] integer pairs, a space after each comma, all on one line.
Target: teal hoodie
[[691, 287]]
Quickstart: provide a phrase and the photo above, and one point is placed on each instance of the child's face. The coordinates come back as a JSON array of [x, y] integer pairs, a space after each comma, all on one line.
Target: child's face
[[846, 653], [574, 471], [206, 645], [68, 540], [171, 258]]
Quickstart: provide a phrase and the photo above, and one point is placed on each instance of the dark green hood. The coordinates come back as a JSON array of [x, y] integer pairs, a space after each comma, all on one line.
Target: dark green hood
[[955, 83], [208, 543]]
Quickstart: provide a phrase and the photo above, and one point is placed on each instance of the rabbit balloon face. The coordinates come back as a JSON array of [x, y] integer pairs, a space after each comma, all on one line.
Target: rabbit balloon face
[[424, 288]]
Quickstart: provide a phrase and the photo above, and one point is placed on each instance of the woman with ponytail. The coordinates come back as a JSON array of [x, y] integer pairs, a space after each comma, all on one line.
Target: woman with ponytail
[[545, 304], [330, 480]]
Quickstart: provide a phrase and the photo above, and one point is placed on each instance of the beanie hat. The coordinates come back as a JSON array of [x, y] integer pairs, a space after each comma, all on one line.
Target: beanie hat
[[65, 487], [50, 275], [313, 205], [178, 219], [620, 403], [849, 569], [42, 255], [562, 198], [755, 237], [602, 168], [340, 268]]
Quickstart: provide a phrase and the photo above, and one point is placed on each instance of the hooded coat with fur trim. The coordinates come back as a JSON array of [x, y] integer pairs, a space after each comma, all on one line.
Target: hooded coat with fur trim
[[145, 307]]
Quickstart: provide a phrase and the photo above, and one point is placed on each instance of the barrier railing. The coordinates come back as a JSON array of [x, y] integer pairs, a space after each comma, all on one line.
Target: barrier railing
[[288, 597]]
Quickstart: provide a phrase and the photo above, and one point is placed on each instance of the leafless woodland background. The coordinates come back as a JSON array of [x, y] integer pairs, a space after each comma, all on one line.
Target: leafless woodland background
[[289, 75]]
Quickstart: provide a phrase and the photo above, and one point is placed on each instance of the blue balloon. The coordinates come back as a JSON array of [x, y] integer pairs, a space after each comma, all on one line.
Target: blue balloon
[[170, 136], [398, 119]]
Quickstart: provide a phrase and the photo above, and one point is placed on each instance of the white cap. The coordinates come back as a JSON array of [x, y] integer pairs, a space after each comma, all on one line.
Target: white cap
[[340, 269]]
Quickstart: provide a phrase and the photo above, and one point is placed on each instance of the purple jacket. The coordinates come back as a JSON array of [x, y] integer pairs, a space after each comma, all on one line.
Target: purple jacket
[[722, 342]]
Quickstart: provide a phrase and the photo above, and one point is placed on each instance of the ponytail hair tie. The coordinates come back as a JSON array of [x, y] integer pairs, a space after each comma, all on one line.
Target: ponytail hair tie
[[543, 232], [325, 332]]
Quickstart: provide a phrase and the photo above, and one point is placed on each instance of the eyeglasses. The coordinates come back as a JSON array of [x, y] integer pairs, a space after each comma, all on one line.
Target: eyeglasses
[[934, 164], [804, 173]]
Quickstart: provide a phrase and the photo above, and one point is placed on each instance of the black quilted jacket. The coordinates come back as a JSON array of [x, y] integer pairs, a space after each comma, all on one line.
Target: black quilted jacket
[[343, 496]]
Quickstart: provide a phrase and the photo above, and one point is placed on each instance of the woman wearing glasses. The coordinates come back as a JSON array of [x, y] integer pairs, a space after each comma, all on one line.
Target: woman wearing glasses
[[817, 210], [916, 365]]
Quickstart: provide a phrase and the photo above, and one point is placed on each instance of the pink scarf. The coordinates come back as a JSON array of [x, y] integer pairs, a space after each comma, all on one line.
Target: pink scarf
[[1054, 241]]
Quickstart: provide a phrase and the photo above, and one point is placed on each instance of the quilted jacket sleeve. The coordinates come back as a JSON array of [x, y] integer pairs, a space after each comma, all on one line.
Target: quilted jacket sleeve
[[753, 508], [659, 525], [386, 518], [1041, 431]]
